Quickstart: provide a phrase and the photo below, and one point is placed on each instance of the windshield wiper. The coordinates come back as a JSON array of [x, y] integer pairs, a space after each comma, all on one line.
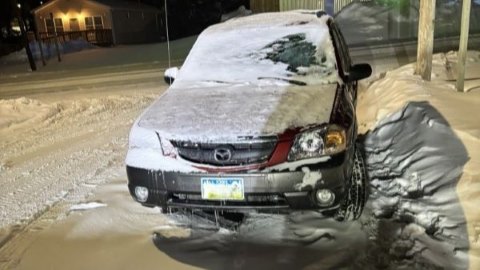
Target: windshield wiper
[[295, 82]]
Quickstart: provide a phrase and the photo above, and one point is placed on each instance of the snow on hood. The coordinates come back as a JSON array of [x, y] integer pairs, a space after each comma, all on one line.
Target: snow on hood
[[224, 112], [253, 76]]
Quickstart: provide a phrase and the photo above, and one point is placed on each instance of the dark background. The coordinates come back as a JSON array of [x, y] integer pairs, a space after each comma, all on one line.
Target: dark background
[[185, 17]]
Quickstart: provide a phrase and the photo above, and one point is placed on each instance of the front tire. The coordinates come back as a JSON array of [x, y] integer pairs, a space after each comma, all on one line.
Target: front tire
[[352, 206]]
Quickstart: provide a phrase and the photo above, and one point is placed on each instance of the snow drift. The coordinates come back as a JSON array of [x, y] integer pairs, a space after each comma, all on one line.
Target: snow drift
[[49, 51]]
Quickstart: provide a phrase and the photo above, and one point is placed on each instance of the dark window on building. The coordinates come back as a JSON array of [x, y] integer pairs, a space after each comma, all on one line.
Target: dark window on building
[[58, 25], [49, 26], [95, 22], [89, 23], [53, 25], [98, 22]]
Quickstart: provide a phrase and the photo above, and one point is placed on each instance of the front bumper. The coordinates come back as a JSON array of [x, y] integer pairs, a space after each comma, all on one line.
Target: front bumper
[[263, 190]]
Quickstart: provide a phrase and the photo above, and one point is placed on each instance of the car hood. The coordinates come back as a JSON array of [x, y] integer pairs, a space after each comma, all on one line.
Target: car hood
[[206, 112]]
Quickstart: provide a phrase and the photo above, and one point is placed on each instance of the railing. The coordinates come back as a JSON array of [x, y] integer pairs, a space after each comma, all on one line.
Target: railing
[[100, 37], [310, 4]]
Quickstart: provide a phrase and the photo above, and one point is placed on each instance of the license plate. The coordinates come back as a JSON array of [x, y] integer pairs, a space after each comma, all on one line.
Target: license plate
[[230, 189]]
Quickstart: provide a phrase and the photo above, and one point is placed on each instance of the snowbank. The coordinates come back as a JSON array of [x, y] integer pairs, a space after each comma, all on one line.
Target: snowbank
[[25, 111], [422, 145], [49, 51], [393, 90]]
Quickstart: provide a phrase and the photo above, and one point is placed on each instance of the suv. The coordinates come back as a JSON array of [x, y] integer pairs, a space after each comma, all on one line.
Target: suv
[[260, 117]]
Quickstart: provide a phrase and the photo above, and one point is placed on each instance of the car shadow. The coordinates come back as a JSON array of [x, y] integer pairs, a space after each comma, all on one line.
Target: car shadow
[[413, 219]]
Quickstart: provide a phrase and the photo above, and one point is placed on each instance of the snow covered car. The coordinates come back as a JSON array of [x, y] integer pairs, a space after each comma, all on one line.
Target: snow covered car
[[261, 116]]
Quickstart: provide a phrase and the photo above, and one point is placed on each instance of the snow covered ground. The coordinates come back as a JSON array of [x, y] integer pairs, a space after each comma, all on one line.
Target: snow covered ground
[[65, 205]]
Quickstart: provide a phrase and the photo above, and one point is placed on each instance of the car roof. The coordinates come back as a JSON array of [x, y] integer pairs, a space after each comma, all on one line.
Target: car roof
[[246, 46], [303, 18]]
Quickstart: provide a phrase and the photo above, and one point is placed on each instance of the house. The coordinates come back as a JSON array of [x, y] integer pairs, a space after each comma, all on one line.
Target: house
[[102, 22]]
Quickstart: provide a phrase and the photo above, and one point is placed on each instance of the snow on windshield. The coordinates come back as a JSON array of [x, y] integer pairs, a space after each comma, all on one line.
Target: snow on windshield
[[295, 46]]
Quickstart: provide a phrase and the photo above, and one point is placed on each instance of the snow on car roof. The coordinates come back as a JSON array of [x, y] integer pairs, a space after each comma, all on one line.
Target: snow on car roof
[[292, 44]]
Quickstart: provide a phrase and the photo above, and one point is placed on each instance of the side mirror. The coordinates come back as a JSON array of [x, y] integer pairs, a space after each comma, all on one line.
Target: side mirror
[[359, 71], [170, 75]]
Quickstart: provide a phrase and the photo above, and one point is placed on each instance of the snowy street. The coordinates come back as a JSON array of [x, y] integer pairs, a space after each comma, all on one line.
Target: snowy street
[[65, 204]]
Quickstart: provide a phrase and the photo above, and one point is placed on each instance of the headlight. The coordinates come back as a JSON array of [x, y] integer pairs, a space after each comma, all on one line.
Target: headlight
[[318, 142]]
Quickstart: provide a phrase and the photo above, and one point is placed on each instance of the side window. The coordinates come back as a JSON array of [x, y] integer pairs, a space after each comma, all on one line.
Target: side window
[[341, 48]]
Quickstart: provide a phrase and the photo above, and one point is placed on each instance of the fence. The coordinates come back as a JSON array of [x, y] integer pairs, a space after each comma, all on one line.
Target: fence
[[258, 6], [100, 37]]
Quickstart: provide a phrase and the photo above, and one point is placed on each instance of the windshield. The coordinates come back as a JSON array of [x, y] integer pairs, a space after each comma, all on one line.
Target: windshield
[[295, 51]]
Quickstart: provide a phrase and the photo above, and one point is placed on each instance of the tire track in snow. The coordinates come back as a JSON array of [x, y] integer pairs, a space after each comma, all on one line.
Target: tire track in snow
[[54, 160]]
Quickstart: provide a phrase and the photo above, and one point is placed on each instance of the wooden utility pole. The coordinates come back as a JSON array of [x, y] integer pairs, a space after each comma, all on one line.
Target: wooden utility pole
[[426, 25], [462, 50]]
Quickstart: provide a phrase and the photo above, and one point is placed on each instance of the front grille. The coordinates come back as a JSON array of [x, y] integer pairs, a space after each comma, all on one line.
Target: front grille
[[244, 152]]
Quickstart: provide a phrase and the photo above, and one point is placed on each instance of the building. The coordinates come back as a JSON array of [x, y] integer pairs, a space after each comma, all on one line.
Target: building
[[100, 22], [331, 6]]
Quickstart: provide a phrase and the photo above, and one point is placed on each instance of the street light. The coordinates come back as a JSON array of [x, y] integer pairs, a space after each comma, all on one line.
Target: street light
[[19, 6]]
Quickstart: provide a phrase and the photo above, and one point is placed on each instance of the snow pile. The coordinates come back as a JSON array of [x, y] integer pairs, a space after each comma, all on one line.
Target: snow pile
[[31, 113], [422, 156], [49, 51], [87, 206], [25, 111], [415, 161], [390, 94]]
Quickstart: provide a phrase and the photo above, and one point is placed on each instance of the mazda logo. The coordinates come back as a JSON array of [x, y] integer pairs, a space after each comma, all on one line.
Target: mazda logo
[[222, 154]]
